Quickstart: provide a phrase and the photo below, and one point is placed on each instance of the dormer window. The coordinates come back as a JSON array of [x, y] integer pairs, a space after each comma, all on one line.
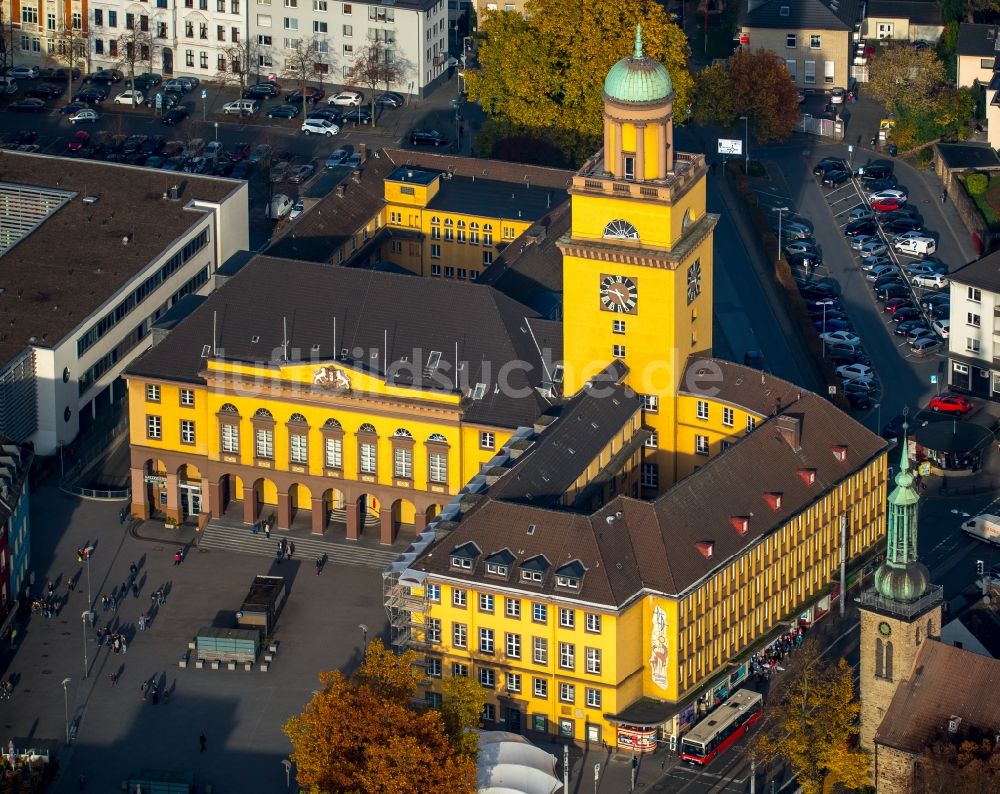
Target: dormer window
[[495, 569], [534, 569], [461, 562], [464, 557], [839, 453], [531, 576], [784, 11], [570, 575], [569, 582], [498, 564]]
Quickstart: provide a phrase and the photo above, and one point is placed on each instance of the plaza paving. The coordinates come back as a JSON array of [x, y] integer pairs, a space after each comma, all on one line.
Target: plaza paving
[[240, 712]]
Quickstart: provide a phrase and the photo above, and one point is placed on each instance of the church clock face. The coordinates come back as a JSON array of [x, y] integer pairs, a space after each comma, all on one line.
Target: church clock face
[[694, 280], [884, 629], [619, 294]]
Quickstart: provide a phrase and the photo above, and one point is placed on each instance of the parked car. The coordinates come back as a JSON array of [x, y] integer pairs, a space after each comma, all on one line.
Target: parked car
[[888, 279], [78, 141], [942, 327], [335, 158], [858, 401], [900, 212], [297, 209], [175, 87], [860, 384], [92, 96], [837, 96], [887, 204], [877, 169], [875, 273], [312, 95], [873, 248], [242, 170], [935, 299], [860, 212], [435, 138], [261, 154], [358, 115], [869, 262], [927, 267], [804, 247], [910, 313], [84, 117], [130, 96], [347, 98], [919, 333], [830, 164], [849, 371], [301, 173], [174, 116], [841, 337], [43, 91], [893, 305], [189, 83], [861, 226], [284, 111], [804, 261], [917, 246], [883, 294], [167, 100], [930, 282], [940, 312], [855, 243], [240, 151], [241, 107], [27, 106], [838, 350], [214, 150], [23, 72], [903, 225], [72, 107], [911, 235], [835, 178], [925, 346], [390, 100], [905, 326], [818, 290], [153, 144], [951, 404], [146, 81], [871, 185], [262, 91], [890, 193], [319, 127], [326, 114]]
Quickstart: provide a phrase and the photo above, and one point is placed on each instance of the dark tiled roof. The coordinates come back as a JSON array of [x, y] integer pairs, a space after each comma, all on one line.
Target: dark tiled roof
[[945, 682], [631, 544], [737, 385], [498, 170], [811, 14], [65, 269], [984, 624], [366, 308], [584, 426], [983, 273], [496, 199], [968, 155], [530, 268], [975, 39], [919, 13]]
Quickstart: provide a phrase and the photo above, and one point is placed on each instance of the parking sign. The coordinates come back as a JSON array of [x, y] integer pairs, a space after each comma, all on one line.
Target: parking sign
[[204, 93]]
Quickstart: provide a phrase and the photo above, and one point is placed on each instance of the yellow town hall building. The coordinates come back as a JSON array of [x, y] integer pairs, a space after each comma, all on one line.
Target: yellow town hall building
[[606, 522]]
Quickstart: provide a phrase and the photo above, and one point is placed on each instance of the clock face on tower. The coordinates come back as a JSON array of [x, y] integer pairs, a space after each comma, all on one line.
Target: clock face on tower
[[619, 294], [694, 280], [884, 629]]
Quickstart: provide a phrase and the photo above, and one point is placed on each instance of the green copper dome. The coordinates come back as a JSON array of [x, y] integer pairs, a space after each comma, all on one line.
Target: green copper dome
[[638, 78]]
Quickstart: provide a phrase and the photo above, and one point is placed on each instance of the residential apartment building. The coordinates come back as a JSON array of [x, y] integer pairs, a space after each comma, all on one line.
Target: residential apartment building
[[979, 67], [413, 33], [15, 528], [903, 20], [71, 326], [974, 335], [814, 37], [189, 37], [40, 30]]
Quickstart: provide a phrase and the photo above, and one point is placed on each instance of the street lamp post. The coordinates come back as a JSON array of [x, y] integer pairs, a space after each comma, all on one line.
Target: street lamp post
[[746, 143], [65, 683], [780, 211], [824, 304], [90, 603], [86, 617], [288, 773], [364, 635], [878, 407]]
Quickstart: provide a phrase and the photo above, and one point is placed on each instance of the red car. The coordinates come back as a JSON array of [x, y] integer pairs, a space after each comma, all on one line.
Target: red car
[[78, 141], [887, 205], [951, 404], [895, 304], [240, 152]]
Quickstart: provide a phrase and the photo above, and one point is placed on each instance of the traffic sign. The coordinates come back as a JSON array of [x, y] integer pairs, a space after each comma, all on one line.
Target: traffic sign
[[159, 101], [204, 93], [933, 379], [597, 771]]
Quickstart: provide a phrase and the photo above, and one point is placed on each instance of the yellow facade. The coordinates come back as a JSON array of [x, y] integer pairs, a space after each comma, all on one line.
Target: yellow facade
[[706, 428]]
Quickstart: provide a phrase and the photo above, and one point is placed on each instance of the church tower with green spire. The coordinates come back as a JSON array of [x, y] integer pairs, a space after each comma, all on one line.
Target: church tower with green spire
[[901, 610]]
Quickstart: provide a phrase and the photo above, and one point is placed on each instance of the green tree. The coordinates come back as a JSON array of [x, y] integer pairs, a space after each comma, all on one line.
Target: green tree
[[544, 72], [360, 736], [814, 725], [713, 97], [463, 702], [763, 90], [904, 79]]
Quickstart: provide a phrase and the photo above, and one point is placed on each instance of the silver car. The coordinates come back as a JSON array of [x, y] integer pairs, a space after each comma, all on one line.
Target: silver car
[[925, 346], [873, 247]]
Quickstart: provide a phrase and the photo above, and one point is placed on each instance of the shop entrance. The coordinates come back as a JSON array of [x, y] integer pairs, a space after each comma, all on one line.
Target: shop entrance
[[514, 720], [190, 499]]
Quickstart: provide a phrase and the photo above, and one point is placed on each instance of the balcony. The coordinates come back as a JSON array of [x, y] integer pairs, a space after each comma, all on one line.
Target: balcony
[[593, 178], [933, 597]]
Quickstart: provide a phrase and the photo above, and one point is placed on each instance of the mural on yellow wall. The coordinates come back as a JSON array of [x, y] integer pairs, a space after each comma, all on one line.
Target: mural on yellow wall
[[658, 648]]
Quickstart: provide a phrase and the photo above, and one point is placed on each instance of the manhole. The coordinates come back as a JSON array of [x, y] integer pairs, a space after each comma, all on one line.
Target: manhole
[[46, 672]]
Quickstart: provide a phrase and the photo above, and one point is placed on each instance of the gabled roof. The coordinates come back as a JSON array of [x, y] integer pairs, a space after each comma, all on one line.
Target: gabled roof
[[983, 273], [398, 315], [917, 12], [802, 14], [976, 39], [945, 681]]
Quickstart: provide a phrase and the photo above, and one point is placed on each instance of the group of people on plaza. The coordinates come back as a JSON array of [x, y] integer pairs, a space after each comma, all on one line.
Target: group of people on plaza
[[285, 550], [766, 662]]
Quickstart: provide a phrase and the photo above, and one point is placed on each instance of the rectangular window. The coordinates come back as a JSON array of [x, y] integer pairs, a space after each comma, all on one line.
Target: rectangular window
[[539, 650], [334, 453], [435, 270], [347, 9], [487, 677], [290, 23], [972, 345], [438, 467], [540, 687], [319, 5], [460, 670], [790, 40], [460, 635], [187, 431], [231, 439], [367, 458], [486, 602], [567, 692], [617, 326], [487, 257], [828, 71], [810, 72], [434, 593], [402, 463], [203, 60], [512, 607], [432, 629], [567, 618], [973, 320], [593, 698], [264, 448], [815, 41], [539, 613], [594, 661], [790, 65], [618, 351], [593, 623], [189, 58], [458, 598], [220, 32], [629, 166], [154, 428], [514, 646], [567, 655], [112, 18], [319, 27], [649, 475], [98, 17], [513, 682], [487, 440], [727, 417], [435, 251], [263, 20], [650, 403], [751, 424], [298, 447], [974, 294], [203, 30], [701, 445], [433, 667], [702, 409], [152, 393], [486, 641]]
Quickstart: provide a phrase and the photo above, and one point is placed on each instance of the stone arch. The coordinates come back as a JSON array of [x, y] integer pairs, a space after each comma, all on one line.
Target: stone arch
[[332, 505], [260, 501], [431, 512], [363, 513], [399, 517], [230, 495]]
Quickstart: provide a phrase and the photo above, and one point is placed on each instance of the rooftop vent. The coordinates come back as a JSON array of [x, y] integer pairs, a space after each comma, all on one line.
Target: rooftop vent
[[808, 476], [706, 548], [740, 523], [773, 498], [790, 431], [91, 199], [839, 452], [953, 723]]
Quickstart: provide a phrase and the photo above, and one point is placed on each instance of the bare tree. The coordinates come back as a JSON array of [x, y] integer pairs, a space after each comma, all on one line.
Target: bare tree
[[72, 49], [6, 42], [243, 62], [300, 65], [374, 66], [135, 48]]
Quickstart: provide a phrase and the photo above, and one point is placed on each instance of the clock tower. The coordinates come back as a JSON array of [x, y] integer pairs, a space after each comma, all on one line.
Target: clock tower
[[637, 261], [900, 611]]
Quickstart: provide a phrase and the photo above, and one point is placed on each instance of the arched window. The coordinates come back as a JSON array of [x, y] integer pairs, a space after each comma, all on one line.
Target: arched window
[[487, 227], [435, 228], [298, 419], [228, 408], [449, 222], [367, 452], [437, 438], [461, 224], [688, 217], [262, 413], [474, 233], [437, 459], [368, 428], [474, 225], [621, 230], [333, 424], [333, 445], [402, 432], [435, 220]]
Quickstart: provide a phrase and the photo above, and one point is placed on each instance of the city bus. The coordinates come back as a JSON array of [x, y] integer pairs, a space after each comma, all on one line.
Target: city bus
[[722, 728]]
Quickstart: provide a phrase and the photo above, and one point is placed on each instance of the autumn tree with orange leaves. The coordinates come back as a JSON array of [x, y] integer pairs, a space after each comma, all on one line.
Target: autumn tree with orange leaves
[[361, 736]]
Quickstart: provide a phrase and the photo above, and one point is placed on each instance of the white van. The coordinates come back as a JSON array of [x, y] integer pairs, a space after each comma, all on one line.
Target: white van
[[8, 85], [241, 107], [279, 207], [917, 246], [984, 527]]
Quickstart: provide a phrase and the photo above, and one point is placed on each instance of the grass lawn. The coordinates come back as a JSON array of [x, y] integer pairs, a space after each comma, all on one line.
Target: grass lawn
[[989, 202]]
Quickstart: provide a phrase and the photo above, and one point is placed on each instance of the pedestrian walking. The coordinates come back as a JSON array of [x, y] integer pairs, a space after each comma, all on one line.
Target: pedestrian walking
[[124, 646], [944, 195], [178, 556], [104, 603], [135, 590], [319, 565], [143, 688], [267, 530], [82, 782], [70, 585], [51, 588], [202, 741], [114, 678], [133, 569], [142, 622], [156, 695], [161, 597]]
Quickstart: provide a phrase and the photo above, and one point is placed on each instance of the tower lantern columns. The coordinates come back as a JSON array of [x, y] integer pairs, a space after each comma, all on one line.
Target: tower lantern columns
[[640, 152]]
